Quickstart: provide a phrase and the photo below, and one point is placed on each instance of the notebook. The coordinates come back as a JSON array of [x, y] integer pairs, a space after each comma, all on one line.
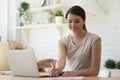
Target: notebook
[[23, 63]]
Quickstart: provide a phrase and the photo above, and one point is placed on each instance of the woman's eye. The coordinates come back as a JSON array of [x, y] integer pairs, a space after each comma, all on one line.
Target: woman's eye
[[69, 21], [77, 21]]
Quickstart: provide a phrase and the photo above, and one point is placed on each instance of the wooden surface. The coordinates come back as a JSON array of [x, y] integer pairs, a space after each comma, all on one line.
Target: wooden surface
[[101, 78], [4, 77]]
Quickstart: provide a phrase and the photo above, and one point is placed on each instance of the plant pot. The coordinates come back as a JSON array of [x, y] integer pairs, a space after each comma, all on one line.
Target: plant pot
[[58, 19], [24, 22]]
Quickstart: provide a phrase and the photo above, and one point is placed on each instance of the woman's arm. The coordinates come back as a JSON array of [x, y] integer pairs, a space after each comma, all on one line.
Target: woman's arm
[[61, 62], [95, 62]]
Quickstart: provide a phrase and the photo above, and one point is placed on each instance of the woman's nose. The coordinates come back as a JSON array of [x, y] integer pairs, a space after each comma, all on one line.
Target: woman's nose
[[72, 24]]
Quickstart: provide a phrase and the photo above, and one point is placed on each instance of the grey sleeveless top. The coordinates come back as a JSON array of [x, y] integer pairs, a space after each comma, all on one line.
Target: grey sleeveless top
[[79, 57]]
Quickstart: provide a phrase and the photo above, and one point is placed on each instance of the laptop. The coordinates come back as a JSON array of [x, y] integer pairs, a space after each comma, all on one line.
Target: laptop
[[23, 63]]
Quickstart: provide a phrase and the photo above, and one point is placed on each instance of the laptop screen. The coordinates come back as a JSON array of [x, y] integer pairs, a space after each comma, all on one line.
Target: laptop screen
[[23, 62]]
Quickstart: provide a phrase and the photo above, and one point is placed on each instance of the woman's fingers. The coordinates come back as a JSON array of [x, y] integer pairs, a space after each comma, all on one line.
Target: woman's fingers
[[54, 72], [68, 74]]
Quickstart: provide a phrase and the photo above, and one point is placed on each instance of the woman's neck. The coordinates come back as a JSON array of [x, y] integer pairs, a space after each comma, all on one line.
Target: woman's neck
[[79, 35], [77, 38]]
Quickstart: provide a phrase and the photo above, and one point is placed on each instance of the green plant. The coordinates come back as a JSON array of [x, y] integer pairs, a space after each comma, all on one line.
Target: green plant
[[24, 10], [110, 64], [58, 13], [118, 65]]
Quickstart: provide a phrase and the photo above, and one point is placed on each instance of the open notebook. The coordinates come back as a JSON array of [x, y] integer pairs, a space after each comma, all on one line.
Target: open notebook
[[23, 63]]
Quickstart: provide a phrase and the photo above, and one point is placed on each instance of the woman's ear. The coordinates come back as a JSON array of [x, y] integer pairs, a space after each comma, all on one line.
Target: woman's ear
[[84, 22]]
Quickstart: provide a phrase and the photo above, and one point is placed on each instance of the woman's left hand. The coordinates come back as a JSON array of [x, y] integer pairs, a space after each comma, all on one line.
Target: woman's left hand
[[69, 74]]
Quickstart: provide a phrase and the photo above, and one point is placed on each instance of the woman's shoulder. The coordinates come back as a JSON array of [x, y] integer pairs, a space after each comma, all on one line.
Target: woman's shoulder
[[66, 38], [93, 35]]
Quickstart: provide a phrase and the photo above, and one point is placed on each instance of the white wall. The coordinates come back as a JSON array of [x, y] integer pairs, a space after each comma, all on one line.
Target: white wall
[[107, 26], [13, 6], [4, 20]]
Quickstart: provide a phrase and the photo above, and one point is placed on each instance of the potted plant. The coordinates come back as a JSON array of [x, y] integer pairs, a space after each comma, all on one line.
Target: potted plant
[[118, 65], [24, 11], [110, 64], [58, 16]]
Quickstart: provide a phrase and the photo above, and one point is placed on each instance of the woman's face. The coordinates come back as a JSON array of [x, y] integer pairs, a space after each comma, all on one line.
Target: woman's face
[[75, 23]]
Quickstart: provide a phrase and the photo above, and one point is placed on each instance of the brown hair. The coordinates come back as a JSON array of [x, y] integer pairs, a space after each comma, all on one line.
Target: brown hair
[[79, 11]]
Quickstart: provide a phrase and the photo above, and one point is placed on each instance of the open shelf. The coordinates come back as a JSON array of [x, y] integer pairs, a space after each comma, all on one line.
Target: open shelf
[[33, 26], [47, 8], [25, 30]]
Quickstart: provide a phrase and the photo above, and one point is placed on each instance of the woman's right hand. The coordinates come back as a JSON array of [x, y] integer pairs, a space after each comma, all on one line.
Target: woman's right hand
[[54, 72]]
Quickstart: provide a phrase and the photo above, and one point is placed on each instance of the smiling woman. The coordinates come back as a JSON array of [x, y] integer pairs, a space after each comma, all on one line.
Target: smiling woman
[[80, 49]]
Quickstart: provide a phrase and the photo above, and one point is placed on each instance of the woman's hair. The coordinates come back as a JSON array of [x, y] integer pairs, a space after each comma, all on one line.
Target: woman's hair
[[79, 11]]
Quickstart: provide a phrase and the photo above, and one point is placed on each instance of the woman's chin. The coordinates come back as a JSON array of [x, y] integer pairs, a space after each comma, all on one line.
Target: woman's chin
[[74, 31]]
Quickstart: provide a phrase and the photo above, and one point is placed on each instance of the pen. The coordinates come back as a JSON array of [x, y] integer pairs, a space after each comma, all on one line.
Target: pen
[[52, 65]]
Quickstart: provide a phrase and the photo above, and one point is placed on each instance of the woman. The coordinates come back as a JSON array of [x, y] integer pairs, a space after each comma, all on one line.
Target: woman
[[82, 49]]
